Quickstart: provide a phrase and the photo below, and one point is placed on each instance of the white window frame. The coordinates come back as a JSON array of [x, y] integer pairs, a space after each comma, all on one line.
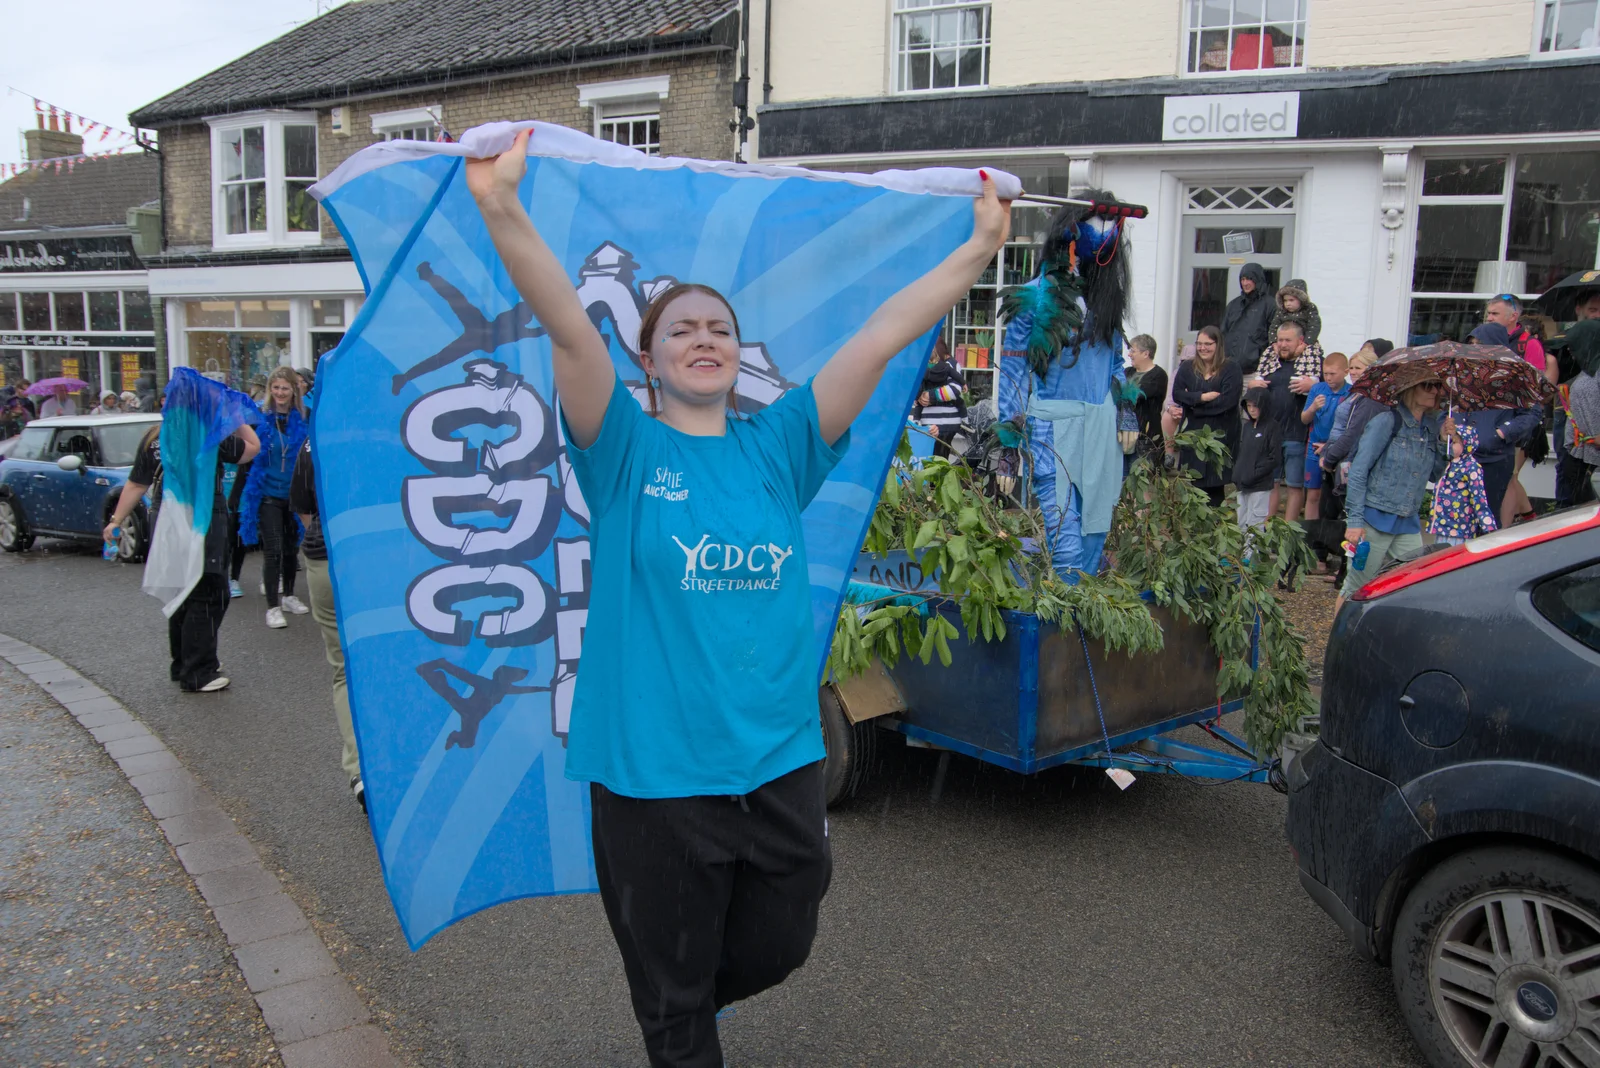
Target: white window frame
[[634, 98], [277, 232], [387, 124], [1540, 9], [902, 12], [1190, 30]]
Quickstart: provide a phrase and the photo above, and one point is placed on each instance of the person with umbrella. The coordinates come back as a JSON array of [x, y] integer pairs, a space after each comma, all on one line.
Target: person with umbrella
[[1501, 433], [58, 392], [1401, 451]]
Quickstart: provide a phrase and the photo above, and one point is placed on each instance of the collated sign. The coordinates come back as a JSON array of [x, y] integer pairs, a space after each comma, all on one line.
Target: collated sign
[[1230, 117], [69, 254]]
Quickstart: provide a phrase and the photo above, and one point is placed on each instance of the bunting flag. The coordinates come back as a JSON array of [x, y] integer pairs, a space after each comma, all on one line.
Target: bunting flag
[[196, 416], [457, 537]]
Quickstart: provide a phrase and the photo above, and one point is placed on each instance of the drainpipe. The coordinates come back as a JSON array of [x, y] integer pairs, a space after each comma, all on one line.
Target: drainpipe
[[766, 58], [741, 89]]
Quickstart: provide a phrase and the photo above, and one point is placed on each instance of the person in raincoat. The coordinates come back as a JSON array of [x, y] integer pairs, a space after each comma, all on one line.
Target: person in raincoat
[[1060, 362], [1460, 502], [1245, 319]]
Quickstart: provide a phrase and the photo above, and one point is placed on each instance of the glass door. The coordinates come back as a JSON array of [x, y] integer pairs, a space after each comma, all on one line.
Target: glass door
[[1215, 247]]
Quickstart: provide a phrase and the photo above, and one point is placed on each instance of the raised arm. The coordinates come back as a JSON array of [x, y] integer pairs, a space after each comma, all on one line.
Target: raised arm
[[581, 362], [847, 380]]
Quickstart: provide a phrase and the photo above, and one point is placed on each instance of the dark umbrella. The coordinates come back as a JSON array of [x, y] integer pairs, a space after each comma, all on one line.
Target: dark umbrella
[[1561, 300], [1475, 376], [48, 386]]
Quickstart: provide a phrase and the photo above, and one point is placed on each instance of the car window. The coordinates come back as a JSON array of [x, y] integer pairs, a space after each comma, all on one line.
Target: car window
[[31, 443], [119, 444], [71, 441], [1572, 602]]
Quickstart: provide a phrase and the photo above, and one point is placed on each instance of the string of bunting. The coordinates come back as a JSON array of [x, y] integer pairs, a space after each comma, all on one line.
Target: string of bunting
[[11, 170], [58, 116]]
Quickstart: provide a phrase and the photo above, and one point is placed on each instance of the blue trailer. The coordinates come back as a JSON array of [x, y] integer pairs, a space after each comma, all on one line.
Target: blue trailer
[[1036, 699]]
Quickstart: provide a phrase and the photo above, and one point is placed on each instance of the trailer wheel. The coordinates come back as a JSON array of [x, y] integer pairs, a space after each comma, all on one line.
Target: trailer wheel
[[852, 748]]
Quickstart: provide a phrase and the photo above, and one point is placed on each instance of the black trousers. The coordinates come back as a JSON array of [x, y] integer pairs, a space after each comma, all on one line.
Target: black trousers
[[280, 547], [192, 632], [711, 900]]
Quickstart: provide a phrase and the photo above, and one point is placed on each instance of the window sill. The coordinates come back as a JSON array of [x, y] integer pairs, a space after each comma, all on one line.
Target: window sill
[[942, 89], [1565, 53], [1259, 72], [232, 242]]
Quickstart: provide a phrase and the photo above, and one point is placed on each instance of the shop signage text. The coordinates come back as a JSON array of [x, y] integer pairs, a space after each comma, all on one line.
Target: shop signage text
[[70, 254], [1230, 117], [78, 341]]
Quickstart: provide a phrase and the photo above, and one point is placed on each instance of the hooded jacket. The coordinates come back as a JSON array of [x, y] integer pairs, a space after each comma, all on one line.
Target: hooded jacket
[[1460, 499], [1244, 321], [1259, 445], [1309, 318]]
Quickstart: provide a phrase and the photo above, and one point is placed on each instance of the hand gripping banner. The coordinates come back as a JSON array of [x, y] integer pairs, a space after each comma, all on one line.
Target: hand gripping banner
[[457, 537]]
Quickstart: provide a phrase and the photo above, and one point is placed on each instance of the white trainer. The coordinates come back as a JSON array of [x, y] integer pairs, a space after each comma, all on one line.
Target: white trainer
[[218, 683], [291, 603], [275, 619]]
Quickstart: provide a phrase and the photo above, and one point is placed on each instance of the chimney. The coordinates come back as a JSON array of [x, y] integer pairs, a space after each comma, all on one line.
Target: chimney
[[51, 143]]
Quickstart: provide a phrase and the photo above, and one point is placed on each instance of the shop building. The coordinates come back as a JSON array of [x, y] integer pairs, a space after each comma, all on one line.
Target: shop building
[[73, 293], [253, 275], [1407, 160]]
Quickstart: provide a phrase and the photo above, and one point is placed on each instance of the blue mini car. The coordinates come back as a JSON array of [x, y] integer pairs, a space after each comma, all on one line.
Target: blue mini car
[[62, 479]]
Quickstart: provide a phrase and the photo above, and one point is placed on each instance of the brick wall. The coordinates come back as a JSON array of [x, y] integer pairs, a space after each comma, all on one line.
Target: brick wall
[[186, 185], [694, 122]]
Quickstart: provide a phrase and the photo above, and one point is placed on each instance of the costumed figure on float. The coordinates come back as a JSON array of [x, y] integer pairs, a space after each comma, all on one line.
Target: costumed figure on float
[[1060, 368]]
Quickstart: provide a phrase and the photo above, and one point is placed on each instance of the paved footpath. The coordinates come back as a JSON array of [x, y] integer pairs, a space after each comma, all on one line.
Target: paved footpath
[[110, 954]]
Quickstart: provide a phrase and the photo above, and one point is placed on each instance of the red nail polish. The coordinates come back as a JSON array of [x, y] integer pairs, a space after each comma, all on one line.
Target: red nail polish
[[983, 175]]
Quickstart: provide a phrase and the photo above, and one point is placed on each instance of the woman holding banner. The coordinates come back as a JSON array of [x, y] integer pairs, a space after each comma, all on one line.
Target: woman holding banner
[[695, 718]]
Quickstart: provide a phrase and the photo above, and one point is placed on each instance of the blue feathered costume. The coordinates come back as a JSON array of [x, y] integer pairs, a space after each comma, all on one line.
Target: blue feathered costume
[[291, 440], [1060, 372]]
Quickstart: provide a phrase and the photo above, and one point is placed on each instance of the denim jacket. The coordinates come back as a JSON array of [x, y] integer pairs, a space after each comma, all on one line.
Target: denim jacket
[[1395, 482]]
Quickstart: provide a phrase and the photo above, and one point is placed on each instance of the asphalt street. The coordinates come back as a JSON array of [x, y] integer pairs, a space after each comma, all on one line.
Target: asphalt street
[[995, 921]]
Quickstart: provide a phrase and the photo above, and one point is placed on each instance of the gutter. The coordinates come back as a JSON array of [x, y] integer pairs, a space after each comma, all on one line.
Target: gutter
[[720, 36]]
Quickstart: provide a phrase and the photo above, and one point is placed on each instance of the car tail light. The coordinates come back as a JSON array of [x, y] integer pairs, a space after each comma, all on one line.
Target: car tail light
[[1569, 521]]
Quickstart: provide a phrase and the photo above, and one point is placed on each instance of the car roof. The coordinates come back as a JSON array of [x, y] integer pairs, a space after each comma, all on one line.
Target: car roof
[[97, 420]]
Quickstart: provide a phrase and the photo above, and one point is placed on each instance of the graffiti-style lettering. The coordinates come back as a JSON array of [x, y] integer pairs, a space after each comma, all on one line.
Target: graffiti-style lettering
[[431, 596]]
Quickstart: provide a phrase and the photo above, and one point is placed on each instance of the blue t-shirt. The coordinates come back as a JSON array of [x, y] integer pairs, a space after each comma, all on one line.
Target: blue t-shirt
[[1389, 523], [1322, 424], [699, 672]]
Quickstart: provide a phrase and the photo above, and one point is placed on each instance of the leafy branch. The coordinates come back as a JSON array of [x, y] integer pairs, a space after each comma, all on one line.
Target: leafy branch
[[991, 556]]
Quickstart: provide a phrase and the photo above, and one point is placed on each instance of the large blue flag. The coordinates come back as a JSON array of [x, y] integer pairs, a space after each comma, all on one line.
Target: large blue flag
[[457, 535], [197, 414]]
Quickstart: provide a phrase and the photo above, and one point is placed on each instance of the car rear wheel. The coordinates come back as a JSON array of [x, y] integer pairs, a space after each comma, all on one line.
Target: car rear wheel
[[131, 541], [14, 536], [1497, 960]]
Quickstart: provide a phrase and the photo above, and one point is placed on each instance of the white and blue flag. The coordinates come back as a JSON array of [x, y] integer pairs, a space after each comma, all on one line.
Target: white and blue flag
[[197, 415], [457, 537]]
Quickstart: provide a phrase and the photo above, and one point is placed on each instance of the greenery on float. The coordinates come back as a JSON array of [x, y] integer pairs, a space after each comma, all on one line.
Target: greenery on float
[[1166, 537]]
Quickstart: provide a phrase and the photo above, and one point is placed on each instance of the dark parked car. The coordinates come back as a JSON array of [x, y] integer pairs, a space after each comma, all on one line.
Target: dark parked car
[[1449, 815], [62, 479]]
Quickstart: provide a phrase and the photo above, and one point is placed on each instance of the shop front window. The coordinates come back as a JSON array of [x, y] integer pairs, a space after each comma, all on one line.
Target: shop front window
[[69, 311], [242, 359], [136, 310], [8, 311], [36, 311], [104, 313], [1499, 224]]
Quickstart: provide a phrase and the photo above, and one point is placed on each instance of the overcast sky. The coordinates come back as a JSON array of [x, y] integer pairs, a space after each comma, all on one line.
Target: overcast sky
[[104, 58]]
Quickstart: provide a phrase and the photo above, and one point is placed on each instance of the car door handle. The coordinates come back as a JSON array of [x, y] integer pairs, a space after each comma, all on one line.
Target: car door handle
[[42, 478], [1408, 702], [102, 482]]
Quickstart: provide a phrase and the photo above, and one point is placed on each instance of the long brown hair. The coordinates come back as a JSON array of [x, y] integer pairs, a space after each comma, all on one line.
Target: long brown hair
[[1216, 364], [652, 319], [287, 374]]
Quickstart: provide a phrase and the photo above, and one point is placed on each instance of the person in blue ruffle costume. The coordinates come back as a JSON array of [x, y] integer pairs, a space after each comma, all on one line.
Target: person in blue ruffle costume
[[1060, 362]]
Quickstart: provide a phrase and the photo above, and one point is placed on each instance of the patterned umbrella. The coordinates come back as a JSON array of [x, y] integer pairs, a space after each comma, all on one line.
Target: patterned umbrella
[[1475, 376], [48, 386]]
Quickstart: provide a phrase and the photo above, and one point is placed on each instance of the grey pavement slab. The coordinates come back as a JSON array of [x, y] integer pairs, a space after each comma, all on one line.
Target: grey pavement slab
[[177, 802], [108, 956], [163, 781], [312, 1007], [145, 763], [98, 711], [260, 918], [111, 732], [242, 883], [197, 825], [133, 746], [359, 1047], [214, 854], [286, 959]]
